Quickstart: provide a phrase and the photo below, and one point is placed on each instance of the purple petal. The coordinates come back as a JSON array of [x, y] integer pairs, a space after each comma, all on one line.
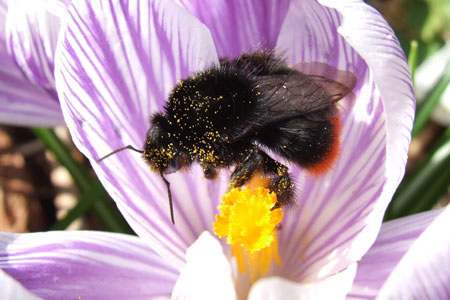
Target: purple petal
[[23, 102], [31, 33], [276, 288], [207, 272], [115, 66], [340, 213], [393, 242], [240, 25], [12, 290], [424, 271], [86, 265], [370, 35]]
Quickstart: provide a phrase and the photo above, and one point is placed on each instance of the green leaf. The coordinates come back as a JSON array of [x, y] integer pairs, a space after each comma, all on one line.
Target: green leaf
[[412, 57], [425, 108]]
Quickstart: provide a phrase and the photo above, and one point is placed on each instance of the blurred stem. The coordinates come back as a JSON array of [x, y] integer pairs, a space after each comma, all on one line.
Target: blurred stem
[[412, 58], [423, 188], [425, 108], [93, 194]]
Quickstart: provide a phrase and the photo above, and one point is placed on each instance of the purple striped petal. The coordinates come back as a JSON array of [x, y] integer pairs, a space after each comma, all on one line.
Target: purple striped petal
[[12, 289], [424, 271], [339, 214], [32, 29], [206, 274], [24, 102], [115, 66], [240, 25], [369, 34], [86, 265], [276, 288], [409, 260]]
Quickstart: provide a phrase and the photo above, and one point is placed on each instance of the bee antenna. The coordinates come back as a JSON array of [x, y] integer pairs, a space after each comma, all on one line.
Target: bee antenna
[[118, 150], [170, 196]]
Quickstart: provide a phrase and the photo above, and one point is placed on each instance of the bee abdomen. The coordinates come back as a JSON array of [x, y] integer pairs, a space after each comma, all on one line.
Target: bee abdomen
[[311, 143]]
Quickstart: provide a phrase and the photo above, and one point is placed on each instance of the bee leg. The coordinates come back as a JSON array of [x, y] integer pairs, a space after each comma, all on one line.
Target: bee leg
[[209, 172], [246, 168], [258, 160], [282, 185]]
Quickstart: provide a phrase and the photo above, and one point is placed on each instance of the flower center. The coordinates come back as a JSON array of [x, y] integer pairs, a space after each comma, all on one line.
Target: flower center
[[248, 220]]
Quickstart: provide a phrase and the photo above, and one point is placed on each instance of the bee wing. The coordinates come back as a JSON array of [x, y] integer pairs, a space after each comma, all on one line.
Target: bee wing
[[293, 95], [296, 94]]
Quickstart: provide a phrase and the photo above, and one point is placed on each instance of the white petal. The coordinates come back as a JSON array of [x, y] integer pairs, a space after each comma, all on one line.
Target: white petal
[[276, 288], [207, 273]]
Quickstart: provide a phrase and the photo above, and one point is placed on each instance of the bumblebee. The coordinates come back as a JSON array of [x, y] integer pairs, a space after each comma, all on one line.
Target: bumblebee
[[225, 116]]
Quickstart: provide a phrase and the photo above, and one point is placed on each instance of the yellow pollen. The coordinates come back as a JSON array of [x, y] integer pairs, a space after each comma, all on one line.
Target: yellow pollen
[[248, 221]]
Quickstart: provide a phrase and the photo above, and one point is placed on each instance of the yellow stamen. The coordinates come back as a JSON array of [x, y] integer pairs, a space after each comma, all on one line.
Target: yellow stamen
[[248, 221]]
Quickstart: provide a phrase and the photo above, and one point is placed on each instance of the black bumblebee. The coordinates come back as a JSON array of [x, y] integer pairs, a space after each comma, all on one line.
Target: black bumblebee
[[220, 117]]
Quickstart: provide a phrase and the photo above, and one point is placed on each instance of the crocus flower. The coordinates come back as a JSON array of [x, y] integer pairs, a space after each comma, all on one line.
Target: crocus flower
[[28, 35], [115, 65]]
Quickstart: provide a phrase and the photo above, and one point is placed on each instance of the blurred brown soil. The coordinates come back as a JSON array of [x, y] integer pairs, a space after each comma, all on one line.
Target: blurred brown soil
[[26, 194]]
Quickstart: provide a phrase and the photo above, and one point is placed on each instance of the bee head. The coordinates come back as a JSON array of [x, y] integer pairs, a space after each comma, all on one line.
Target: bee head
[[161, 151]]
